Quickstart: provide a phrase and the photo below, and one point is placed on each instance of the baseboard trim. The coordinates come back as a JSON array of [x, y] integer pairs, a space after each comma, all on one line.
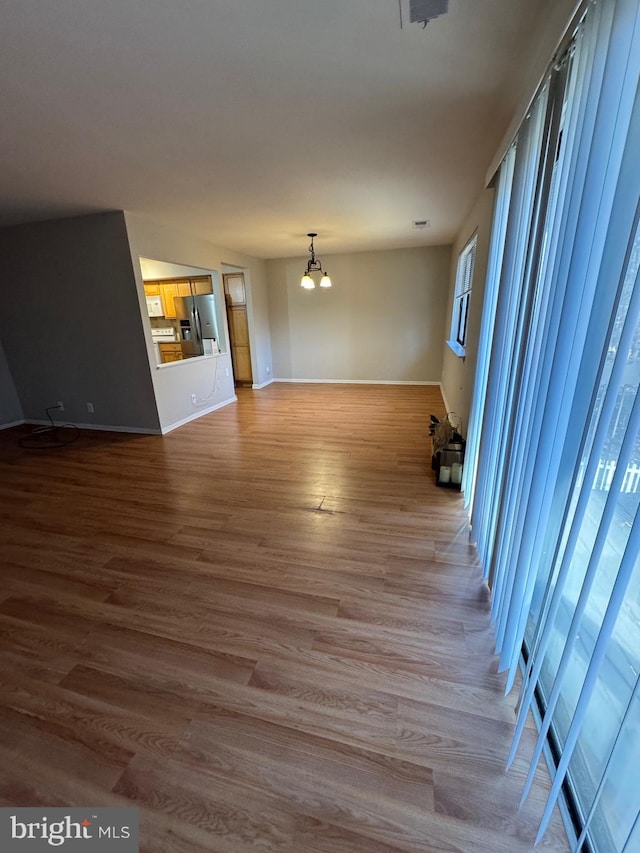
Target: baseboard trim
[[263, 384], [444, 398], [198, 414], [12, 424], [96, 427], [357, 381]]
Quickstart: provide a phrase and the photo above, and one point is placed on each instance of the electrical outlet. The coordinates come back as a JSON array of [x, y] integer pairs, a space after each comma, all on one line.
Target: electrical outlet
[[268, 371], [194, 399], [90, 408], [226, 371], [60, 405]]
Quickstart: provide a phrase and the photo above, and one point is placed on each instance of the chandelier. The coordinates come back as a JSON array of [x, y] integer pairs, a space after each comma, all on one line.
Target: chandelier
[[314, 265]]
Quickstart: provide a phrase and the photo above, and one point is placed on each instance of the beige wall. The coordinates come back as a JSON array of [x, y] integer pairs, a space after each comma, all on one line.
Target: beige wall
[[458, 374], [381, 321], [210, 379]]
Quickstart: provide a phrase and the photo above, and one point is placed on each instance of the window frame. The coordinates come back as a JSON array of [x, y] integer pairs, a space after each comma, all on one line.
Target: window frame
[[462, 296]]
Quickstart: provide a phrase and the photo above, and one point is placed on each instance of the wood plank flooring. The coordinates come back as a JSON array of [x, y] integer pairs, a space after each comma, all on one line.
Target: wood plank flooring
[[266, 629]]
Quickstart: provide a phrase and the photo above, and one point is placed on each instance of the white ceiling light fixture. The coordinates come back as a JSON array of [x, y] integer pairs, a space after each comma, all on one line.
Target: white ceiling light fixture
[[314, 265]]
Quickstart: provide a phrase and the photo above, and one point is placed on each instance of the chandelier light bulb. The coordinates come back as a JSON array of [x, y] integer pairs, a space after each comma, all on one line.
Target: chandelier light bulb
[[314, 265], [307, 282]]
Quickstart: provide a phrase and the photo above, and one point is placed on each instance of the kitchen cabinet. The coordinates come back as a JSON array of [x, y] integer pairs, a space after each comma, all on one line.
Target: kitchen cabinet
[[234, 289], [168, 291], [235, 298], [202, 285], [170, 352], [194, 286]]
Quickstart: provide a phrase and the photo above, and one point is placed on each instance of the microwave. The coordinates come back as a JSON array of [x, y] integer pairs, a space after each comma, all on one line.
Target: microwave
[[154, 306]]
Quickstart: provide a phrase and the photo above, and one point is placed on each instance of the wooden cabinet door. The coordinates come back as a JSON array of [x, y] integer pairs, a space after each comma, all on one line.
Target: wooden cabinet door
[[234, 289], [238, 328], [168, 291], [184, 288], [170, 352], [242, 365], [151, 288], [202, 285], [240, 352]]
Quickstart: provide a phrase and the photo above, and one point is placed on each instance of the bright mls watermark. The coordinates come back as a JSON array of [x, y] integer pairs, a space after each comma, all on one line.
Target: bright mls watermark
[[33, 830]]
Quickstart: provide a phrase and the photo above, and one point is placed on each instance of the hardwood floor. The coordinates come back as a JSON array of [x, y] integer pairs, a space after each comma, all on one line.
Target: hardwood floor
[[266, 629]]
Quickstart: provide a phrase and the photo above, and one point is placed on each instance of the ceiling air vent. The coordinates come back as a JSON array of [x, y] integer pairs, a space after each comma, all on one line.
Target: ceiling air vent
[[422, 11], [421, 223]]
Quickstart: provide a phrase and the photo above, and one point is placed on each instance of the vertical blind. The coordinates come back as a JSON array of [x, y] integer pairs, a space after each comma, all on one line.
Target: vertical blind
[[552, 478]]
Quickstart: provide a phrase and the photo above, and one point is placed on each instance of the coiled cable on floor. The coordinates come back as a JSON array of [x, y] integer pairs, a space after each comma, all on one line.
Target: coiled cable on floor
[[50, 437]]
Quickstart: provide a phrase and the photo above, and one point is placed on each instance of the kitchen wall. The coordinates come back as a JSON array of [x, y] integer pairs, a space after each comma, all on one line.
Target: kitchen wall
[[210, 380], [152, 270], [71, 324], [458, 374], [382, 321], [10, 408]]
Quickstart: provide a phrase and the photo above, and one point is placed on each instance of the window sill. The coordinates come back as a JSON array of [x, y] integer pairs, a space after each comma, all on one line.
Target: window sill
[[196, 358], [455, 347]]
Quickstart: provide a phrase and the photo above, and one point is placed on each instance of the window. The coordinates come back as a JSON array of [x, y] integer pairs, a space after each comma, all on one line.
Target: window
[[464, 280], [601, 562], [555, 455]]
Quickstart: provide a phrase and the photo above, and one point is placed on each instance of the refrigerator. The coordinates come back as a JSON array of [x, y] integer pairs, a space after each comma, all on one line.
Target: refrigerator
[[197, 318]]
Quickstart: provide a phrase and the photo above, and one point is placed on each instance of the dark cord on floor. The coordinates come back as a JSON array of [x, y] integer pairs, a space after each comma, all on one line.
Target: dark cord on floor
[[50, 437]]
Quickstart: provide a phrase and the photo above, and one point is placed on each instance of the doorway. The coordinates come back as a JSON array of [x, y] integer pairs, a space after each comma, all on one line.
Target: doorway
[[235, 297]]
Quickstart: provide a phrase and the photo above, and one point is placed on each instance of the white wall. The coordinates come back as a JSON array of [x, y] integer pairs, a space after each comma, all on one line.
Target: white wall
[[71, 328], [381, 321], [210, 379], [10, 408], [458, 374]]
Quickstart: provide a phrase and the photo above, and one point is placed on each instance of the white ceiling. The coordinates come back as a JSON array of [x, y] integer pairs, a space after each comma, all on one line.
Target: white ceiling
[[252, 122]]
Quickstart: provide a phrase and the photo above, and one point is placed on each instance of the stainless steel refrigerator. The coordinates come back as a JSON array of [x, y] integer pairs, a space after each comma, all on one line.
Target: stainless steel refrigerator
[[197, 318]]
